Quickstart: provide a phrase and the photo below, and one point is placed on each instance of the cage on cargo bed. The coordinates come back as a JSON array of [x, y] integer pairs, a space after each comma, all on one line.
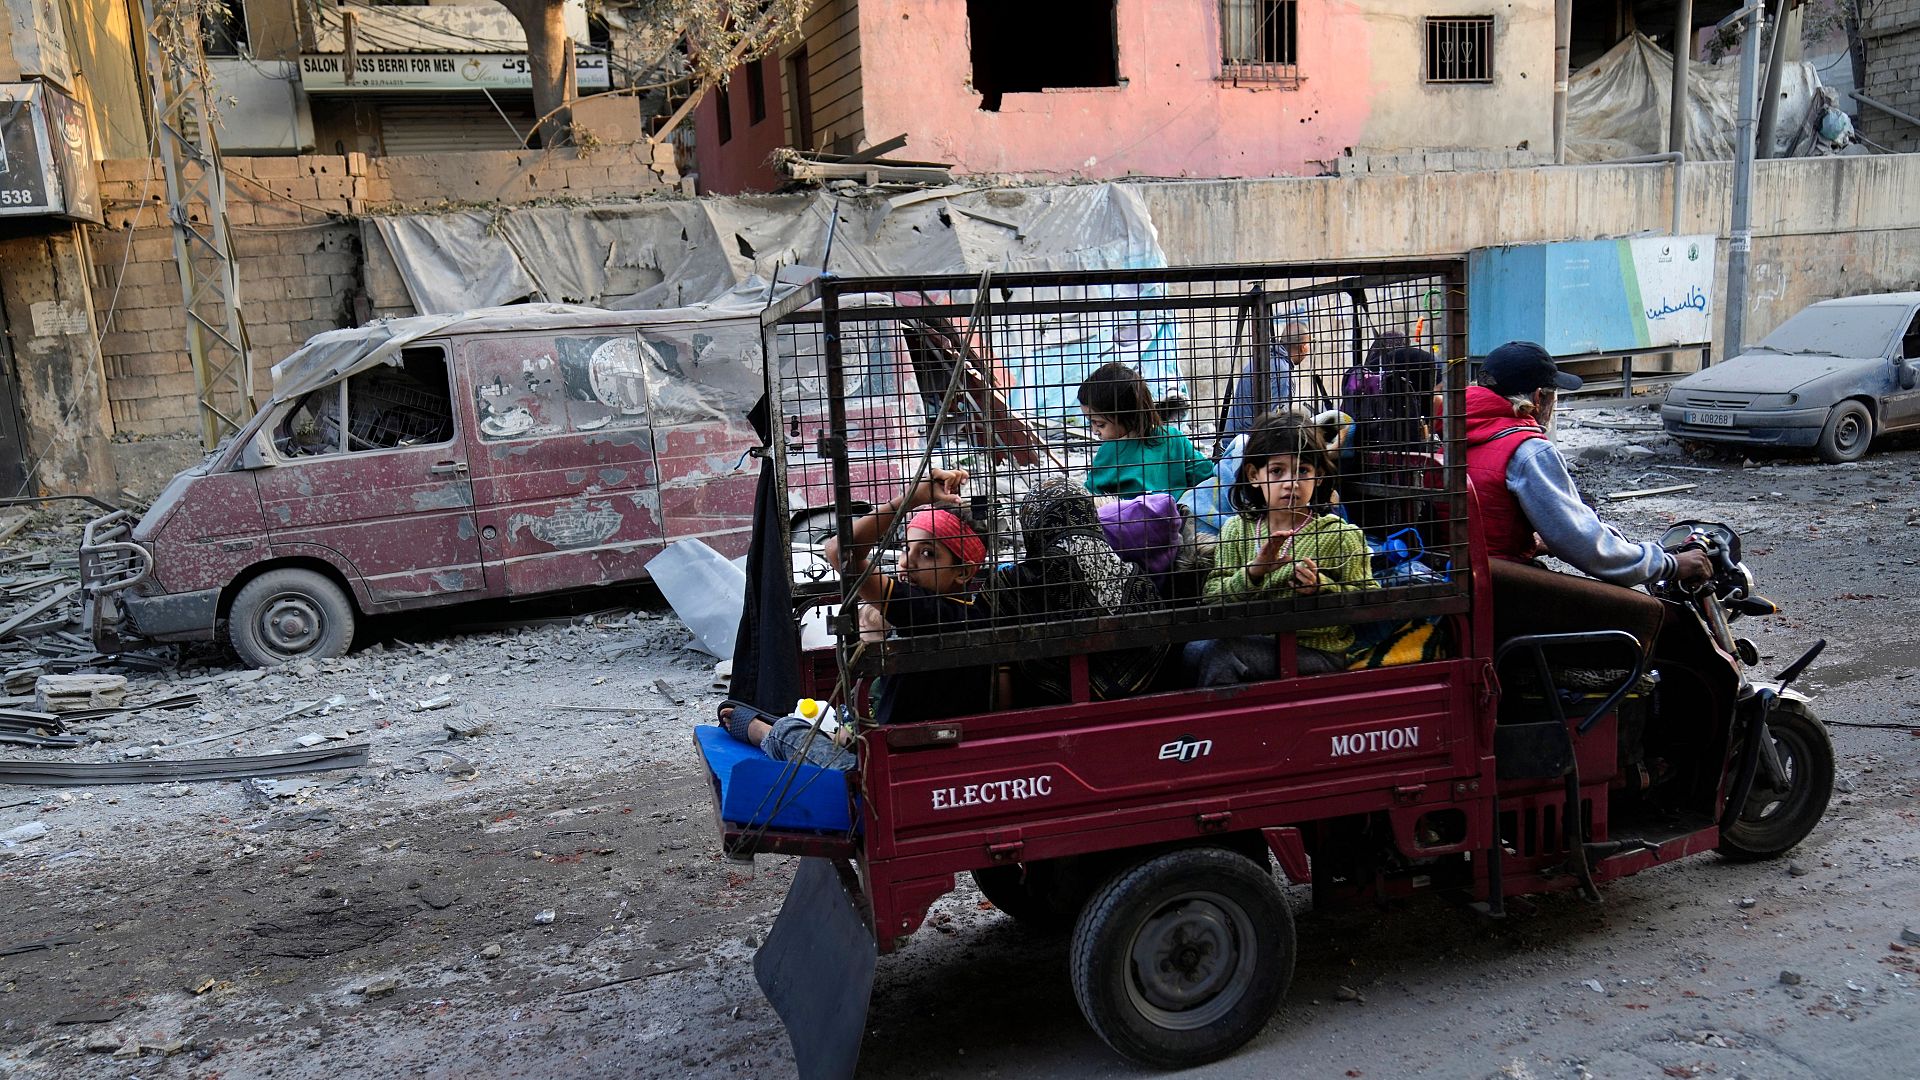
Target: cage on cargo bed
[[879, 382]]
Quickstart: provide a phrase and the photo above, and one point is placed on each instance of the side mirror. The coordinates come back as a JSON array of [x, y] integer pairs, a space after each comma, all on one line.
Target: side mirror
[[1906, 373]]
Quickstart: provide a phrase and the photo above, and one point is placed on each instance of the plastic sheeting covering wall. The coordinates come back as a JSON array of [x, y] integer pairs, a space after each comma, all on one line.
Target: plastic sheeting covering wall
[[1617, 106], [675, 253]]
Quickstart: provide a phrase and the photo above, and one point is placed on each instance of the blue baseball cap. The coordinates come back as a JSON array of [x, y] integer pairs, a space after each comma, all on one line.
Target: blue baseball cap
[[1521, 367]]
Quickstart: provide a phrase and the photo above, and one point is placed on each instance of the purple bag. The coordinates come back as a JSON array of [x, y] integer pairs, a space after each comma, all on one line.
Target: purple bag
[[1144, 530]]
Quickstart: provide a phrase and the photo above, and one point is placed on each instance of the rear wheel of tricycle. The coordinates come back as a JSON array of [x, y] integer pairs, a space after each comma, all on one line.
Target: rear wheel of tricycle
[[289, 614], [1181, 959], [1022, 892], [1774, 821]]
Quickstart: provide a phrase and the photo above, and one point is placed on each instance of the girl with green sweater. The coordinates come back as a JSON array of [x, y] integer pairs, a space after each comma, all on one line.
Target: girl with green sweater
[[1279, 546]]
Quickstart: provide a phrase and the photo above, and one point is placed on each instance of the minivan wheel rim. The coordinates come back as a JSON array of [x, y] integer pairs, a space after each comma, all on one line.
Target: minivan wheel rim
[[1191, 961], [291, 623]]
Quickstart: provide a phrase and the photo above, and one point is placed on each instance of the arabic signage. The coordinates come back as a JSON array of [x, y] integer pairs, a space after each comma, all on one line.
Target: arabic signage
[[327, 72], [46, 164], [1589, 298]]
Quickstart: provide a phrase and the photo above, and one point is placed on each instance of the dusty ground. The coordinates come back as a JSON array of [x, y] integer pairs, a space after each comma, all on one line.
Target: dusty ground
[[393, 920]]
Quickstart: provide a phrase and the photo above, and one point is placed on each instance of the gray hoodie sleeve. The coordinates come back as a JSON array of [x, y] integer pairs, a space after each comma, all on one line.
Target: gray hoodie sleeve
[[1573, 532]]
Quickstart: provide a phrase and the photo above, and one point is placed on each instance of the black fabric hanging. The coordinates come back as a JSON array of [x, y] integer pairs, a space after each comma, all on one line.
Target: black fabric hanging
[[766, 651]]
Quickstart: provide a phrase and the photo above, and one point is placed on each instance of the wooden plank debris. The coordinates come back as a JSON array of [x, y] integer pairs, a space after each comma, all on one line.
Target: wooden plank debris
[[1646, 492]]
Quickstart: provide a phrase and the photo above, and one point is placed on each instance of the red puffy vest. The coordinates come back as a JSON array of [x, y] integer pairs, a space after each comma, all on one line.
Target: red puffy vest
[[1493, 434]]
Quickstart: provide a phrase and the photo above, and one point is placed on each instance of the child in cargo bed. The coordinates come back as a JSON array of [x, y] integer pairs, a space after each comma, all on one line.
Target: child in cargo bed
[[1280, 545], [934, 591]]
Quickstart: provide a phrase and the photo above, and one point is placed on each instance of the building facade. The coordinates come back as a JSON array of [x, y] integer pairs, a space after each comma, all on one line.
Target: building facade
[[1102, 89]]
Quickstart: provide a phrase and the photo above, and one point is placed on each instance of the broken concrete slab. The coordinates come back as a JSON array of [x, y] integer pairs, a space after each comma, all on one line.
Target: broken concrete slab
[[73, 693]]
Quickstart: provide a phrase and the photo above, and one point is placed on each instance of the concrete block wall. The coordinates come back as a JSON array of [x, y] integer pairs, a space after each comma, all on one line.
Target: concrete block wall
[[295, 225], [1892, 35]]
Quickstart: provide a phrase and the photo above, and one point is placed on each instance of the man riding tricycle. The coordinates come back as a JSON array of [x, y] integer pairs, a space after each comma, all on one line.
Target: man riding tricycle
[[1046, 673]]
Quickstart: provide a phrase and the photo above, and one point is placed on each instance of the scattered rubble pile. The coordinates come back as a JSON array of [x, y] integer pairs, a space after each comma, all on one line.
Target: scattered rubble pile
[[40, 576], [456, 709]]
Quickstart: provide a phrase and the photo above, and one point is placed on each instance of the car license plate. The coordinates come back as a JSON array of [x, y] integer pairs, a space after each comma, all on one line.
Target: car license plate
[[1708, 419]]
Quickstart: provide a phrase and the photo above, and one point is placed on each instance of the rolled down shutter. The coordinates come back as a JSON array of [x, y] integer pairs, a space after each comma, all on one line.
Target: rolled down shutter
[[451, 125]]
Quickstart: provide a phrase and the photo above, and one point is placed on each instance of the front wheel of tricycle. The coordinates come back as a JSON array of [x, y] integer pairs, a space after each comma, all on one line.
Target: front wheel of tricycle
[[1773, 821], [1181, 959]]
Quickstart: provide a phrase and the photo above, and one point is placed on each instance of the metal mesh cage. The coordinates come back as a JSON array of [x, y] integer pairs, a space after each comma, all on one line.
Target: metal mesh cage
[[1156, 534]]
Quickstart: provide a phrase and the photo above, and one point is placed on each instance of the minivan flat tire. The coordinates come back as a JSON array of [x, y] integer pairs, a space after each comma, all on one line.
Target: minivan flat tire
[[288, 615], [1848, 433], [1182, 958]]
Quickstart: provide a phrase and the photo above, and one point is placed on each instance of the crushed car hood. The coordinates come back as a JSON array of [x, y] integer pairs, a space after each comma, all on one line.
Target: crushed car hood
[[1769, 373]]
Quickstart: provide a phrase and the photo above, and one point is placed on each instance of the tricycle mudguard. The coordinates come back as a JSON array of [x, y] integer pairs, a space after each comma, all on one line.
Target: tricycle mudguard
[[816, 968]]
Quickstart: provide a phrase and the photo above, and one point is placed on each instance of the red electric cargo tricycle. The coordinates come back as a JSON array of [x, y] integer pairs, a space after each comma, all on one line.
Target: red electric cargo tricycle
[[1499, 729]]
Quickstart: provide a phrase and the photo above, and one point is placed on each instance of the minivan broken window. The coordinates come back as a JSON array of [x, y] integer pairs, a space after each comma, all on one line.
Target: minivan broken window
[[386, 407]]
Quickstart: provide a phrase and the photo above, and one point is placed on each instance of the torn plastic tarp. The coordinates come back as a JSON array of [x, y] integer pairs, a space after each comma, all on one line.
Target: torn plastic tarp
[[665, 336], [1617, 106], [678, 252]]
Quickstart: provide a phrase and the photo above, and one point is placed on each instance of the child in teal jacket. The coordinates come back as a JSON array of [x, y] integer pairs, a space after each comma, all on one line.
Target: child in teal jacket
[[1138, 454]]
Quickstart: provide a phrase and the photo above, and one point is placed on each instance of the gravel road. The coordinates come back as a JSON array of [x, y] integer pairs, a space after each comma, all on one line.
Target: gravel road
[[544, 896]]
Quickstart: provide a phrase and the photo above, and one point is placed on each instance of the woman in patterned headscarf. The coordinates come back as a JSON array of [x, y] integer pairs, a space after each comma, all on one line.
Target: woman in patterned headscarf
[[1070, 572]]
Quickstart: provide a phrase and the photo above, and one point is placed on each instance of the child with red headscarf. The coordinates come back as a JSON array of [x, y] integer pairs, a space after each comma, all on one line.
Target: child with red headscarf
[[932, 589]]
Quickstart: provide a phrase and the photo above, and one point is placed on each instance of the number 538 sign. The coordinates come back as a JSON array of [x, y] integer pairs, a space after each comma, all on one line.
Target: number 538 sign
[[46, 166]]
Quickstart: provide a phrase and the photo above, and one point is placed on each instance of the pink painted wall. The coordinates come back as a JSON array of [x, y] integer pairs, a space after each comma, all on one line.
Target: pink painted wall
[[1362, 86], [740, 164], [1171, 118]]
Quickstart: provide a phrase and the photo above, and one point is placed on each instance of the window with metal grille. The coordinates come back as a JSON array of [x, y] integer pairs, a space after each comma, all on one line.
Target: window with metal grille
[[1259, 41], [1460, 50]]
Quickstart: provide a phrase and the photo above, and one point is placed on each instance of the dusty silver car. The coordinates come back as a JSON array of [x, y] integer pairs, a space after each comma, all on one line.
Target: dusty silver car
[[1832, 377]]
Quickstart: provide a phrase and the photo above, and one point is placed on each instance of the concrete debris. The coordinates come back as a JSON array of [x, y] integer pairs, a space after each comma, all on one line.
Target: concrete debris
[[429, 704], [1594, 985], [490, 951], [378, 987], [1910, 936], [72, 693], [1790, 978], [465, 728], [543, 918], [1348, 993], [20, 834]]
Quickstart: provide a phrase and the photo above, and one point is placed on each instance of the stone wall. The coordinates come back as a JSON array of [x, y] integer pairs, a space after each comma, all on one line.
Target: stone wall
[[296, 235], [1892, 34]]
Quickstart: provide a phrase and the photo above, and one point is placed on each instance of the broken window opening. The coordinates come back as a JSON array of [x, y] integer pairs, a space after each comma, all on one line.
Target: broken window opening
[[1260, 41], [386, 407], [1460, 50], [800, 71], [1025, 48], [723, 109], [756, 92], [223, 28]]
